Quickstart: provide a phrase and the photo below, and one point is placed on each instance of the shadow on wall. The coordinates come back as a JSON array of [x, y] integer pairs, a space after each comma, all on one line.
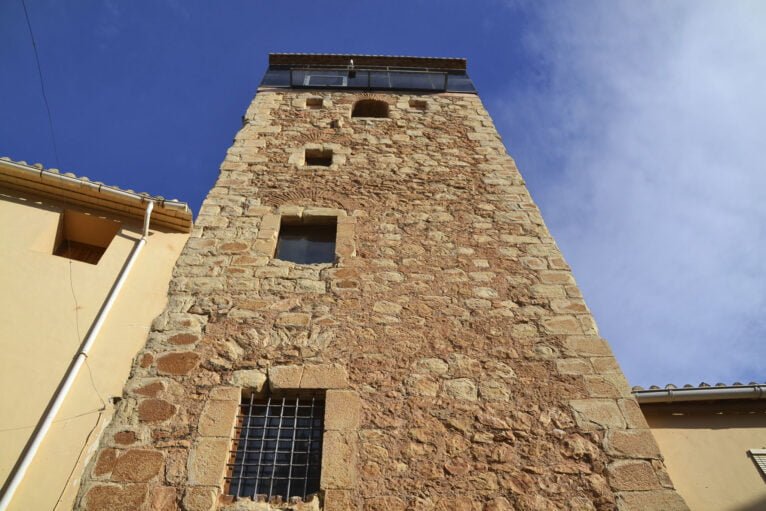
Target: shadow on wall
[[706, 421], [756, 505]]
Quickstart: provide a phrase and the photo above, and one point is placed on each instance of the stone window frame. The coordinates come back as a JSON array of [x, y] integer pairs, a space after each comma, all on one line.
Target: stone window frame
[[210, 453], [268, 233]]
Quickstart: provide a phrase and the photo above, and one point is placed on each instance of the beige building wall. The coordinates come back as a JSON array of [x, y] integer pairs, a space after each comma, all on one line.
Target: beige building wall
[[706, 456], [47, 304]]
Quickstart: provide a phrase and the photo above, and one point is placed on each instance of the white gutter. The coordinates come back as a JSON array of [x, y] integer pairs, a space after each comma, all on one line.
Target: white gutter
[[756, 391], [46, 175], [22, 465]]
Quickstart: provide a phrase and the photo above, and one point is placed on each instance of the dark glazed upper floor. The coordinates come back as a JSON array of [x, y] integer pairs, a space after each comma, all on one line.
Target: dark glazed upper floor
[[367, 72]]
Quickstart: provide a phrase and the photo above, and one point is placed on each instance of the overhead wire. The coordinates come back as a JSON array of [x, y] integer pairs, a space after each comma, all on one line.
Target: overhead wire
[[42, 85], [71, 280]]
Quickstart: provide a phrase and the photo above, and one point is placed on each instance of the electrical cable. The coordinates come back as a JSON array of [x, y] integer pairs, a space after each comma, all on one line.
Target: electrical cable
[[42, 85]]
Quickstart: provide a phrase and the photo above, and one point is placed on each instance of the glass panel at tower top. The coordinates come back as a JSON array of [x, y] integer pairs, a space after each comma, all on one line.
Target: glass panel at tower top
[[369, 73]]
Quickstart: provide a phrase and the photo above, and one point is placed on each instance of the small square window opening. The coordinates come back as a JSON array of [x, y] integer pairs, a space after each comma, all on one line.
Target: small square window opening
[[307, 243], [314, 103], [318, 157], [84, 237], [278, 447], [418, 104]]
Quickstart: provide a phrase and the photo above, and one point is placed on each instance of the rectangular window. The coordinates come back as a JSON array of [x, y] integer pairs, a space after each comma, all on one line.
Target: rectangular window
[[307, 243], [318, 157], [278, 447]]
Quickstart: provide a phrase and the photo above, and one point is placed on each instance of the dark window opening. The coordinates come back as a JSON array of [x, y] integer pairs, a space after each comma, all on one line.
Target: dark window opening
[[418, 104], [277, 450], [320, 157], [370, 108], [314, 103], [83, 237], [307, 243]]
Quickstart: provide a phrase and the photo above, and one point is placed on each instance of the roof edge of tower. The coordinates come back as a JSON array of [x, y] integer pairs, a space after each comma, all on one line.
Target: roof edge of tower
[[338, 59]]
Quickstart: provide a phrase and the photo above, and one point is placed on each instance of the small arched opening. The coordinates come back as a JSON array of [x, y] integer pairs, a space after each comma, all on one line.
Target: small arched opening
[[370, 108]]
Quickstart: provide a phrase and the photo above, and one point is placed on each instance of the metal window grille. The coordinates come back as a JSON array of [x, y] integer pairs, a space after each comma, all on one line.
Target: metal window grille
[[278, 447], [759, 457]]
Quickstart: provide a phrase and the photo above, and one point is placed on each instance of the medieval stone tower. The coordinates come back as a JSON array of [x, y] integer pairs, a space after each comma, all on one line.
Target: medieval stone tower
[[371, 315]]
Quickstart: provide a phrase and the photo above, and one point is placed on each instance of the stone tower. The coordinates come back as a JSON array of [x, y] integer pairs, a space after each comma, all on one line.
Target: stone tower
[[371, 311]]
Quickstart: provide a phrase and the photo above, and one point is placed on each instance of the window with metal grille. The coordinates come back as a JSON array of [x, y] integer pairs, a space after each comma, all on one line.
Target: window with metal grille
[[278, 447], [759, 457]]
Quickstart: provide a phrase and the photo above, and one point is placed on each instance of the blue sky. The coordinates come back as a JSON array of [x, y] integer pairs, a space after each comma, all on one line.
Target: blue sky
[[637, 125]]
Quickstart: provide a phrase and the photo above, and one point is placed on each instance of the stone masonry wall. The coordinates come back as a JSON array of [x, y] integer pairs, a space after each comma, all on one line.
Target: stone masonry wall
[[483, 382]]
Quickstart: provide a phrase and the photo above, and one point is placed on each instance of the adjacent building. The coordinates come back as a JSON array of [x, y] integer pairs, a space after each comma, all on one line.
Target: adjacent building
[[65, 242], [713, 439]]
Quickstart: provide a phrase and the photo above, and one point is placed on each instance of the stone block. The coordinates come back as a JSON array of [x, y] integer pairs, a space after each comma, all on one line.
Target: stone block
[[294, 319], [461, 388], [587, 346], [548, 291], [324, 376], [137, 466], [574, 366], [155, 410], [106, 461], [383, 307], [598, 386], [322, 214], [151, 389], [343, 410], [183, 339], [659, 500], [115, 498], [218, 418], [431, 365], [178, 364], [285, 377], [556, 277], [633, 443], [207, 461], [634, 418], [627, 475], [422, 385], [228, 393], [125, 437], [562, 325], [339, 455], [592, 414], [249, 379], [200, 498], [494, 390], [163, 498], [339, 500]]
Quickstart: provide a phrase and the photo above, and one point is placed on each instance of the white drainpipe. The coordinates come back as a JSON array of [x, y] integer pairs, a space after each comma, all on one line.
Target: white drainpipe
[[22, 465]]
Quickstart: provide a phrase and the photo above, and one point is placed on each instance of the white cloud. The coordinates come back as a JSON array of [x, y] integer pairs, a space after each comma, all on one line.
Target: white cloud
[[647, 148]]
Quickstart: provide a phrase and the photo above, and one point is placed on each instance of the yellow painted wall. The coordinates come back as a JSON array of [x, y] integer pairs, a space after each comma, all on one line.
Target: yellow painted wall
[[706, 456], [47, 305]]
